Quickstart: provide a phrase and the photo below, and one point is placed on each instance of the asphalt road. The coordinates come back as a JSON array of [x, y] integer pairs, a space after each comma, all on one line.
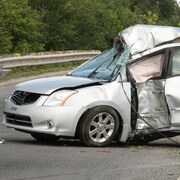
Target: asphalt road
[[22, 158]]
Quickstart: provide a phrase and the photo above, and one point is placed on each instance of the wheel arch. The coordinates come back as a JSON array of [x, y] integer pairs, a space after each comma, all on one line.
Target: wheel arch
[[120, 130]]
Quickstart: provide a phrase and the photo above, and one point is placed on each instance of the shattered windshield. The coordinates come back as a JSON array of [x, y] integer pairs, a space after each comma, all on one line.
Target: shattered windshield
[[104, 66]]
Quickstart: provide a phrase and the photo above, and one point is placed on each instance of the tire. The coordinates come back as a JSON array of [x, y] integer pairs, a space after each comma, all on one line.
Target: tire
[[99, 126], [45, 138]]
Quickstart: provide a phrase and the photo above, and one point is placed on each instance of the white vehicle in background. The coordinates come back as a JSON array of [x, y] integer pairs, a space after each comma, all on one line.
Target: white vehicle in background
[[128, 92]]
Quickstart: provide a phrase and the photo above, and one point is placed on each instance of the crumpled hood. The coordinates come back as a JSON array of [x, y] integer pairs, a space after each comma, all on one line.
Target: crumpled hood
[[51, 84]]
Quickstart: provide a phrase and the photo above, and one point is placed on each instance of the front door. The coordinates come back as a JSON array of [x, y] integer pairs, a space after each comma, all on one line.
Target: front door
[[149, 80]]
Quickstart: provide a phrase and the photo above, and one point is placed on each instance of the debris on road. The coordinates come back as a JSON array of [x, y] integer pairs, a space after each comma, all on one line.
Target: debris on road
[[2, 141]]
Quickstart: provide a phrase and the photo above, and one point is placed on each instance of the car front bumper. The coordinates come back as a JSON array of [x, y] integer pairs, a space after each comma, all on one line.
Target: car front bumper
[[36, 118]]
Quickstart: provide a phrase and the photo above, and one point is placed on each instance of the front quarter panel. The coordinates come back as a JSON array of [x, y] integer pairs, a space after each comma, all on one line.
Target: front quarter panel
[[110, 94]]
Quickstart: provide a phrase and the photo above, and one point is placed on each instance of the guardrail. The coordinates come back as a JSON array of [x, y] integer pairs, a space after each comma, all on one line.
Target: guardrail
[[29, 60]]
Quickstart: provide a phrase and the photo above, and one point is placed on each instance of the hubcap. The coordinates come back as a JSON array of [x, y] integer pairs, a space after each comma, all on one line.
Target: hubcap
[[101, 127]]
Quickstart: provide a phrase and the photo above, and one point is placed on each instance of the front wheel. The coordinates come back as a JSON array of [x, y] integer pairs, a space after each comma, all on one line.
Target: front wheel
[[99, 126]]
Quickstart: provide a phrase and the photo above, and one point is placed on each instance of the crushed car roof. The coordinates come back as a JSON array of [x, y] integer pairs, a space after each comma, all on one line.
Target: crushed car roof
[[140, 38]]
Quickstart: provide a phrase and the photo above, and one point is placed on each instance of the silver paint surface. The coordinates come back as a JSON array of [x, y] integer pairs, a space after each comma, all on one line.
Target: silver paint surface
[[143, 37], [152, 105], [65, 118], [48, 85], [172, 91]]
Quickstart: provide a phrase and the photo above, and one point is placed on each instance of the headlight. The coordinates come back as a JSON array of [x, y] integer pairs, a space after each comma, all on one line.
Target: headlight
[[59, 98]]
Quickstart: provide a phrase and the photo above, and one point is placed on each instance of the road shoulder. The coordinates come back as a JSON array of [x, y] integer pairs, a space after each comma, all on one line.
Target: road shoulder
[[22, 79]]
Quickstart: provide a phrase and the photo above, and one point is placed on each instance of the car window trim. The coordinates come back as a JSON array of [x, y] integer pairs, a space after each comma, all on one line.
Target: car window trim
[[170, 63]]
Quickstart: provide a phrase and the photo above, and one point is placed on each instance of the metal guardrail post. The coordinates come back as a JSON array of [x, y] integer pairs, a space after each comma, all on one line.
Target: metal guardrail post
[[3, 72]]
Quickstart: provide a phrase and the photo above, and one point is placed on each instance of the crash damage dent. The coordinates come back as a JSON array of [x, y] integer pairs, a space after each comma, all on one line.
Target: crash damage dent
[[143, 37], [152, 106]]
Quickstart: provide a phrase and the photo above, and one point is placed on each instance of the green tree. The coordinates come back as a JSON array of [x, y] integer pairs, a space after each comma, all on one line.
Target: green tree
[[59, 22], [87, 24], [162, 12], [5, 41], [167, 8], [91, 24], [20, 29]]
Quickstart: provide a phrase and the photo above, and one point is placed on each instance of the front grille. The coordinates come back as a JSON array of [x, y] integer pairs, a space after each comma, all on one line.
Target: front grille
[[18, 120], [24, 98]]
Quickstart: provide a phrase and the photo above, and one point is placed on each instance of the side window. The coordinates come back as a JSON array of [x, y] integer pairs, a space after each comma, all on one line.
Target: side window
[[148, 68], [175, 62]]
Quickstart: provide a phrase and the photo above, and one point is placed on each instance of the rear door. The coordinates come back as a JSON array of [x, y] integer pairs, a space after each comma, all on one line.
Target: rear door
[[172, 87]]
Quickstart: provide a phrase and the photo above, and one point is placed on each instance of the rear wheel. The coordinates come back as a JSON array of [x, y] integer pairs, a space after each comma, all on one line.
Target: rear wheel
[[99, 126], [45, 137]]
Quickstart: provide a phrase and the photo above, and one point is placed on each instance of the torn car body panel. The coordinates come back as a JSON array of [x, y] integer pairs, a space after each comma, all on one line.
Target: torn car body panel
[[157, 89], [143, 37], [152, 105], [152, 72]]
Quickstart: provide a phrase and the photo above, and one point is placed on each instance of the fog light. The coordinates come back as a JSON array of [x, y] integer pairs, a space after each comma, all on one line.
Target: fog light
[[50, 124]]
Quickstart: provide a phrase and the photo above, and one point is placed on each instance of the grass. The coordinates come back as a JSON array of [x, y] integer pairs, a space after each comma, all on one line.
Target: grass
[[26, 71]]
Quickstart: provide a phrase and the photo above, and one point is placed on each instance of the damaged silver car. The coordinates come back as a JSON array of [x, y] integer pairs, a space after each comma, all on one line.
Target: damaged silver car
[[128, 92]]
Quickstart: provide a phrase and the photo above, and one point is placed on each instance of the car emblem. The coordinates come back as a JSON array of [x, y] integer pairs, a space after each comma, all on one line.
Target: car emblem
[[13, 108]]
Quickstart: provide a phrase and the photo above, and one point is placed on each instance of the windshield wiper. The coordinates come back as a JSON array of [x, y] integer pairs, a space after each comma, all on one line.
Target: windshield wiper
[[94, 71]]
